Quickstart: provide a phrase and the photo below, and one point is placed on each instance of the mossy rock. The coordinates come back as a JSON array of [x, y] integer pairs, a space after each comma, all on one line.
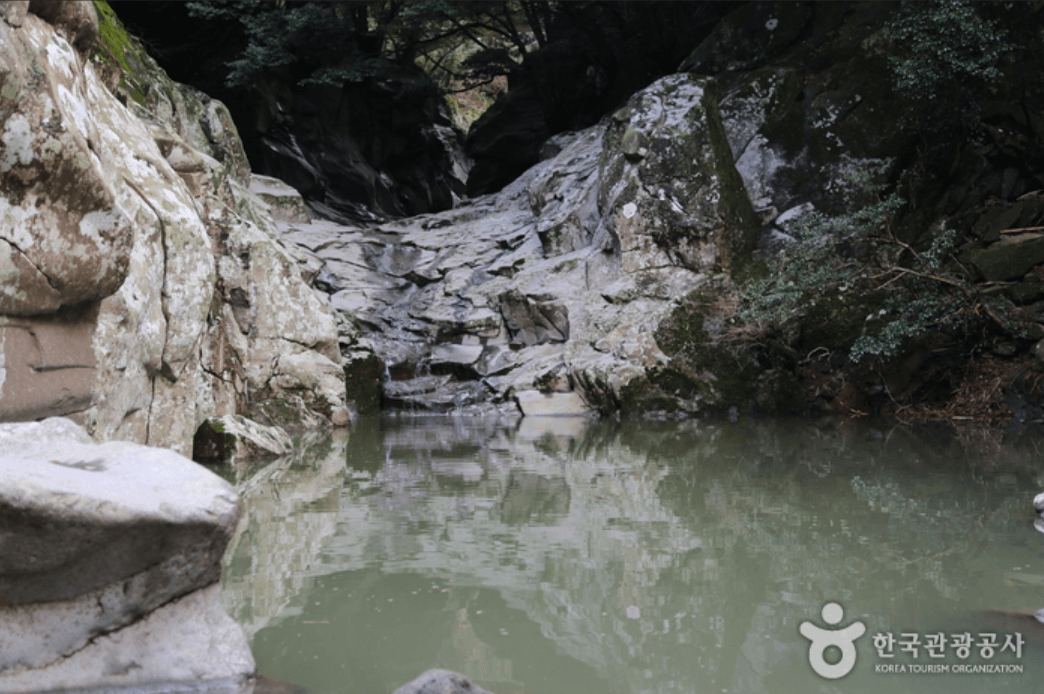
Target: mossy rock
[[836, 321], [118, 49], [1010, 261]]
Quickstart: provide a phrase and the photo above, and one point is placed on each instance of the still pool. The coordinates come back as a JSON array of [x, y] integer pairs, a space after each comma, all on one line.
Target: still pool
[[560, 555]]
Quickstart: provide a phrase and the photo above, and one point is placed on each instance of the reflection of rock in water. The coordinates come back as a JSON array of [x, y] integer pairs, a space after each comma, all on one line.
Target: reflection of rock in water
[[532, 498], [648, 552], [472, 656], [291, 511], [1029, 624]]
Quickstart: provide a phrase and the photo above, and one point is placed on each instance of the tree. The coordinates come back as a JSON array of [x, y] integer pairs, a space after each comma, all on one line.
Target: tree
[[334, 42]]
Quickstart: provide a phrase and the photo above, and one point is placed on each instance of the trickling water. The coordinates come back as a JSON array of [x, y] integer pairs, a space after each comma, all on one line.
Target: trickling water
[[563, 555]]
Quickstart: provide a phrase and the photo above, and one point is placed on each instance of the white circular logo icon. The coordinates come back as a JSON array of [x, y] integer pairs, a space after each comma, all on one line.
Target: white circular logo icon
[[822, 639]]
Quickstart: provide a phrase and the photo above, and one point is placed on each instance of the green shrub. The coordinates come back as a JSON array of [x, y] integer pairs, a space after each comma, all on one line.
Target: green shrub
[[855, 257], [945, 57]]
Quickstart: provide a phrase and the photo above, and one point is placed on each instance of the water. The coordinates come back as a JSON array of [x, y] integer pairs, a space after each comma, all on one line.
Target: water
[[566, 555]]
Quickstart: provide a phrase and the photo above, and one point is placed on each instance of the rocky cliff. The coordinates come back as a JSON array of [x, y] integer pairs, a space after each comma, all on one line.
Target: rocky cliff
[[143, 291], [618, 274], [557, 295]]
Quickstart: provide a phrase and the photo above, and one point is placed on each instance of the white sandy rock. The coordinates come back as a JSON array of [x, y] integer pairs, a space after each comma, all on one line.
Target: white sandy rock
[[93, 538]]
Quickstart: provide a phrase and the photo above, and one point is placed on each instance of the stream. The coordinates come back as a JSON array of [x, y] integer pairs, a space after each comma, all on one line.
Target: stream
[[547, 555]]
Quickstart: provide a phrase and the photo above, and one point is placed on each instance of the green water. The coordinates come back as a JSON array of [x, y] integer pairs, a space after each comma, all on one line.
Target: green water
[[563, 556]]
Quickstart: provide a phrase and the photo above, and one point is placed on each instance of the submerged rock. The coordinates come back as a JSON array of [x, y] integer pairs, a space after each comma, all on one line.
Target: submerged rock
[[121, 587], [441, 682]]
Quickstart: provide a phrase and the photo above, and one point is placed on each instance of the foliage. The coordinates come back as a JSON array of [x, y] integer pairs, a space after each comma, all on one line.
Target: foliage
[[856, 256], [331, 42], [944, 55], [327, 41]]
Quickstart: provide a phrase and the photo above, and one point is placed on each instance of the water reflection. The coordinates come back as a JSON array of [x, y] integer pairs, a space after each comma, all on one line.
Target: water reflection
[[569, 555]]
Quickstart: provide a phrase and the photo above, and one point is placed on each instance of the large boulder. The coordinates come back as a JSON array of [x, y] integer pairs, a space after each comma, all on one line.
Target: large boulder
[[668, 188], [121, 588], [144, 291]]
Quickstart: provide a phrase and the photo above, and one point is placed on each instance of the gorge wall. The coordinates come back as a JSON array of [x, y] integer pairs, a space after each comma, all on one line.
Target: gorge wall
[[611, 275], [143, 291]]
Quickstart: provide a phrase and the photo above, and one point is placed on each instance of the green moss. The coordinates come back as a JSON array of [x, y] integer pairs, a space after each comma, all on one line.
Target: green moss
[[640, 396], [741, 228], [117, 48], [716, 375]]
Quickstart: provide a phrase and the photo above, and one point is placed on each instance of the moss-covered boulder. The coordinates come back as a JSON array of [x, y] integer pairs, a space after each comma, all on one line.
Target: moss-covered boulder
[[669, 190]]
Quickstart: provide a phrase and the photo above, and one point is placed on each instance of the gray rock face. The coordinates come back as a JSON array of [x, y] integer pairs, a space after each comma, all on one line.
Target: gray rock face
[[110, 554], [234, 438], [545, 298], [380, 148], [441, 682], [142, 289]]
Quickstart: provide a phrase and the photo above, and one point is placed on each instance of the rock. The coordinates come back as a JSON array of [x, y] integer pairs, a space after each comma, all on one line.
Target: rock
[[441, 682], [64, 239], [144, 289], [78, 22], [48, 366], [533, 322], [1038, 503], [187, 644], [550, 295], [286, 204], [535, 403], [120, 587], [234, 438], [464, 355], [1008, 261], [383, 147], [750, 35], [505, 140], [681, 203]]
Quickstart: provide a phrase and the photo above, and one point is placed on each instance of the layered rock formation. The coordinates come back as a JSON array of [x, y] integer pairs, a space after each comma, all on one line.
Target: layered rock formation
[[549, 296], [142, 289], [119, 589], [608, 276]]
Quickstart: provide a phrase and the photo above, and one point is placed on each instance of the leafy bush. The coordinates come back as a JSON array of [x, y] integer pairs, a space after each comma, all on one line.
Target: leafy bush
[[945, 55], [856, 257]]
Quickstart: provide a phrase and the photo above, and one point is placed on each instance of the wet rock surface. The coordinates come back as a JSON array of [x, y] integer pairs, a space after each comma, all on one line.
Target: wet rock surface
[[441, 682]]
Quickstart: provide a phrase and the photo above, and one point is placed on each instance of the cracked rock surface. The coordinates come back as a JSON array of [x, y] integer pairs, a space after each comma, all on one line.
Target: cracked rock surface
[[109, 560], [544, 298], [142, 290]]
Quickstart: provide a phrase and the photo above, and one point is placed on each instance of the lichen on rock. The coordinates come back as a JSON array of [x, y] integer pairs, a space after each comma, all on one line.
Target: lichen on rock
[[136, 227]]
